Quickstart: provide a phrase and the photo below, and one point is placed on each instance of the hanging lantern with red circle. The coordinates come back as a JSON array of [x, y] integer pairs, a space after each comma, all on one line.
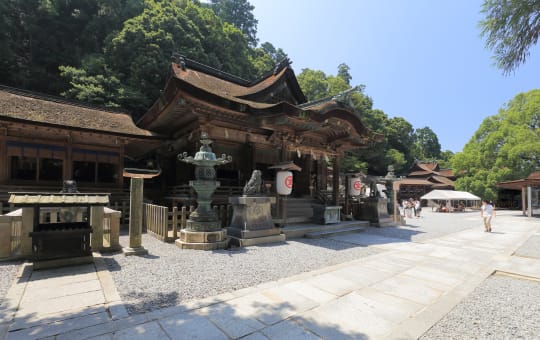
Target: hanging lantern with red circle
[[355, 186], [284, 180]]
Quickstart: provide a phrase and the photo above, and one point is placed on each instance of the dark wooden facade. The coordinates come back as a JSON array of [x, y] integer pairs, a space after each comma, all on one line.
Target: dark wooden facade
[[45, 140]]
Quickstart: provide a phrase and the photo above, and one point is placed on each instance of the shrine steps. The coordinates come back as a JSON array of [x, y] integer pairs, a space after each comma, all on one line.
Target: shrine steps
[[311, 230], [299, 210]]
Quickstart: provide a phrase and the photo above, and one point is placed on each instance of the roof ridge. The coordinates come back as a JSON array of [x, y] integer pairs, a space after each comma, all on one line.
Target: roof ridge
[[57, 99], [184, 62]]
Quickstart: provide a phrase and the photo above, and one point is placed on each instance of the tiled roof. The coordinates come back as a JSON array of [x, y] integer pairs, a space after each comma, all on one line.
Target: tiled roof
[[26, 106]]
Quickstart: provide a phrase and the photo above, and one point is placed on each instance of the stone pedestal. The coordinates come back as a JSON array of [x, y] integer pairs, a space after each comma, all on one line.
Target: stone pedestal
[[327, 214], [203, 240], [375, 210], [135, 218], [252, 221]]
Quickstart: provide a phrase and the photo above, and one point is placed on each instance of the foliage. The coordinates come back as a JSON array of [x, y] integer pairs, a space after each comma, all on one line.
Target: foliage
[[426, 144], [510, 27], [505, 147], [238, 13], [318, 85], [264, 58], [38, 36], [397, 147]]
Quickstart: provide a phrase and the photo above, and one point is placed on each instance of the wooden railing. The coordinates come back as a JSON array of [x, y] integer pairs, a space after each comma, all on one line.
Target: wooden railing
[[165, 225], [11, 234]]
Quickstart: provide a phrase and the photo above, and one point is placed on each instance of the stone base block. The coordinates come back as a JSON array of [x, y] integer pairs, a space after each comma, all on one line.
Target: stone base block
[[135, 251], [203, 240], [203, 246], [244, 242], [240, 233], [72, 261], [190, 236]]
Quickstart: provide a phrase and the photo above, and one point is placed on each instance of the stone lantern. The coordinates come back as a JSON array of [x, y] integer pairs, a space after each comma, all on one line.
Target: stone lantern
[[203, 229]]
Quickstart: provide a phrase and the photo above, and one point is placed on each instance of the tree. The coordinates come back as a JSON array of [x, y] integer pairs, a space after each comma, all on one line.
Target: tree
[[510, 28], [132, 69], [265, 58], [505, 147], [343, 73], [426, 144], [239, 13]]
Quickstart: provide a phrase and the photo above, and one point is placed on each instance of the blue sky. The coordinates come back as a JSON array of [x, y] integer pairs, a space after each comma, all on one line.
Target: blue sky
[[422, 60]]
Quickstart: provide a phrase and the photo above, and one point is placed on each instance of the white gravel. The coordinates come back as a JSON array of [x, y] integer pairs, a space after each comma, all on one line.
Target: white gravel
[[502, 307], [8, 271]]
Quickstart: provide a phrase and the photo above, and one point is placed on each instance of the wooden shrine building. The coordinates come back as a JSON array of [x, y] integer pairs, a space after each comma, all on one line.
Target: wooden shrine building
[[45, 140], [259, 123]]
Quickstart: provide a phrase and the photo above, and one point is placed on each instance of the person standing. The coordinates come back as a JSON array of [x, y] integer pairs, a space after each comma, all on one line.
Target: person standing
[[417, 208], [487, 212]]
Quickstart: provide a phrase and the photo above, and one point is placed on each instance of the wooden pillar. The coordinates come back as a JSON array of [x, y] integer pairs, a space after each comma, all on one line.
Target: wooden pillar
[[135, 218], [4, 161], [335, 180], [524, 201], [529, 201], [28, 221], [68, 161], [322, 175]]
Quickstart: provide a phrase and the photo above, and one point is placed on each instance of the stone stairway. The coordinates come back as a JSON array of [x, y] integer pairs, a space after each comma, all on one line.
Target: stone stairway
[[299, 210]]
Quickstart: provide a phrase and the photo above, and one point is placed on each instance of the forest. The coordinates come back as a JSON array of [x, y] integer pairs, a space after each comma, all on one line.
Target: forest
[[117, 53]]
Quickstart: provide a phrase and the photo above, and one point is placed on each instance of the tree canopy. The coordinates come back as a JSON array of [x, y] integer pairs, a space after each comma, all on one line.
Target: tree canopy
[[505, 147], [510, 28]]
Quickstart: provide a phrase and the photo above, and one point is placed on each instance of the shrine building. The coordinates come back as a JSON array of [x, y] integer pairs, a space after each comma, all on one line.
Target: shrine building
[[261, 124]]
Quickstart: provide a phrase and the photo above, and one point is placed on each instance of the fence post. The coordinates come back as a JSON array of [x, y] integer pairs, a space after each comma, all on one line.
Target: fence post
[[183, 218], [175, 222]]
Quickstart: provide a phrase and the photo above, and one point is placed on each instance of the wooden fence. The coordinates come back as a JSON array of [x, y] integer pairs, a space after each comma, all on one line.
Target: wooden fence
[[165, 225]]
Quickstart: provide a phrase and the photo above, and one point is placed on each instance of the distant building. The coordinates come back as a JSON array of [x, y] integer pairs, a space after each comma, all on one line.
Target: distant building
[[423, 177]]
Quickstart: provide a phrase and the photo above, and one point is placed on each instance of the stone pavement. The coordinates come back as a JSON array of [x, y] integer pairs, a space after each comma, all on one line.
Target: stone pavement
[[399, 293]]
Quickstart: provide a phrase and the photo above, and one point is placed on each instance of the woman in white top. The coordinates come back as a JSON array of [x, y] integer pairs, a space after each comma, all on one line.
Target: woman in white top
[[487, 212]]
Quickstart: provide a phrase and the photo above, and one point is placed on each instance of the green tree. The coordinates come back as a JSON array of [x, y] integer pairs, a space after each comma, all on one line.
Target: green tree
[[239, 13], [426, 144], [343, 73], [264, 58], [317, 85], [510, 28], [505, 147], [132, 70]]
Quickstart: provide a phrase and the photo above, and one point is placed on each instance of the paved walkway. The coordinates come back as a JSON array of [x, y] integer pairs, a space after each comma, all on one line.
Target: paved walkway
[[399, 293]]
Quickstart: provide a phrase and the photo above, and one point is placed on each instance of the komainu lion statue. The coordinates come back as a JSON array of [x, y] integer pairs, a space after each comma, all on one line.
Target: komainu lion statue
[[254, 185]]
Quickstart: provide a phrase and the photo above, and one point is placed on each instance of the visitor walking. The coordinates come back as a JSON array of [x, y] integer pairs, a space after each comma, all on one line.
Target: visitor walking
[[417, 208], [487, 212]]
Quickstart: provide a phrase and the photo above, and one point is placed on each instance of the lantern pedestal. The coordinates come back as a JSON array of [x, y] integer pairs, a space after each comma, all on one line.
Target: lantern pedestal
[[326, 214], [252, 221]]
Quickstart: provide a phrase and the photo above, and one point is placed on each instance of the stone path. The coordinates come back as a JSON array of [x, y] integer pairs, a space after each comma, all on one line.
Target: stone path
[[399, 293]]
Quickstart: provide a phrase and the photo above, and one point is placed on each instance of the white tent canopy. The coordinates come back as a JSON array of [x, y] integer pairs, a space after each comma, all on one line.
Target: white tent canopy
[[450, 195]]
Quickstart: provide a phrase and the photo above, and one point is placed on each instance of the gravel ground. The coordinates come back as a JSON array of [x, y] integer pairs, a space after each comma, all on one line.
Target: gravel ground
[[8, 271], [502, 307], [170, 275]]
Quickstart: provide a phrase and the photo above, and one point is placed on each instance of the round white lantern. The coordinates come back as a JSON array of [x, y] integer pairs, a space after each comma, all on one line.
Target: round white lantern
[[284, 182], [355, 186]]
